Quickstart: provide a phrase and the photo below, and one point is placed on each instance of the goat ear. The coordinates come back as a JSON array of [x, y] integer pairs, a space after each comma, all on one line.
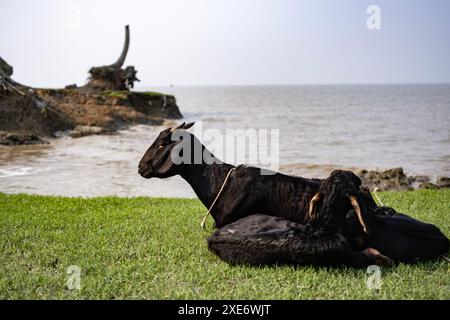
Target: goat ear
[[188, 125]]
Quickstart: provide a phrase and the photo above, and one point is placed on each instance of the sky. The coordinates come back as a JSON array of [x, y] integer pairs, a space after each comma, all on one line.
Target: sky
[[52, 43]]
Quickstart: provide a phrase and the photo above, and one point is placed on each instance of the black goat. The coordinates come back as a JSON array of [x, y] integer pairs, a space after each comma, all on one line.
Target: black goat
[[398, 236], [325, 240], [405, 239], [266, 240], [246, 192], [341, 231]]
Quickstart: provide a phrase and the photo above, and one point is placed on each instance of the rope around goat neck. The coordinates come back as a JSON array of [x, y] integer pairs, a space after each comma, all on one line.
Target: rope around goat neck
[[203, 223], [376, 196]]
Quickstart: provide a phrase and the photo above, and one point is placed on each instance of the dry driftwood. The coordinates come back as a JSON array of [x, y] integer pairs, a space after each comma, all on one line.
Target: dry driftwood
[[113, 77]]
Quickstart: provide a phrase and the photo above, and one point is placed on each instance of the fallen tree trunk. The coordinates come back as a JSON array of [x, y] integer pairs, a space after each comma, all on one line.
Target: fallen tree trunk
[[6, 83], [23, 114]]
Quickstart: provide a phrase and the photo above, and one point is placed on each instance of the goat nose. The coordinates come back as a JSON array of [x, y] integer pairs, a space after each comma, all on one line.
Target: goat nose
[[142, 168]]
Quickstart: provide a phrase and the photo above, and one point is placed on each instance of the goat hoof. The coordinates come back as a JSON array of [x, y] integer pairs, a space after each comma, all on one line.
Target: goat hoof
[[383, 260], [380, 260]]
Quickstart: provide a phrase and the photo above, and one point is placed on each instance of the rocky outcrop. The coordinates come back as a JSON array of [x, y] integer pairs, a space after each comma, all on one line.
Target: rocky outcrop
[[24, 116], [443, 182], [103, 105], [396, 179], [392, 179], [112, 110], [17, 138], [428, 185], [81, 131]]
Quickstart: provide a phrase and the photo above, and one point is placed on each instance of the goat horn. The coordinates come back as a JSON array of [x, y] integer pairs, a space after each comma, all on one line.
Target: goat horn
[[178, 127], [312, 205], [357, 208]]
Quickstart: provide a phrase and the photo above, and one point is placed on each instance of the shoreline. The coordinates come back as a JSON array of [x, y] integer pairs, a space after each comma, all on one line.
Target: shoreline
[[19, 179], [104, 165]]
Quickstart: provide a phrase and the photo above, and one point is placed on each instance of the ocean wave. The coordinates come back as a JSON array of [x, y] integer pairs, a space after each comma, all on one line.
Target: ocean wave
[[20, 171], [15, 171]]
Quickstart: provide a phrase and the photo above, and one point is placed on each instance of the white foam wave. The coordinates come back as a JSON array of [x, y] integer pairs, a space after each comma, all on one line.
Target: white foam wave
[[15, 171]]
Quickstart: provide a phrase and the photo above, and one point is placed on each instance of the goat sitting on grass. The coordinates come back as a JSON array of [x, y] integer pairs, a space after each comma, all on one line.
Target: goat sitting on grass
[[341, 231], [325, 240], [294, 199], [246, 192]]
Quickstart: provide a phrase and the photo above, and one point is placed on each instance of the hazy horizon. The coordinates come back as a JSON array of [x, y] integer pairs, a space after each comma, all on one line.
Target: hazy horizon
[[229, 43]]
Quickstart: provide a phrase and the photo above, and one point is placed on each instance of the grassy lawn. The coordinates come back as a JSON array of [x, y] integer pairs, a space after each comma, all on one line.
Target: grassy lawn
[[154, 249]]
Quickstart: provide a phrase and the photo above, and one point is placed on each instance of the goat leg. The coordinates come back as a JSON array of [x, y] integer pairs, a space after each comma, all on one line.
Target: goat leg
[[369, 257]]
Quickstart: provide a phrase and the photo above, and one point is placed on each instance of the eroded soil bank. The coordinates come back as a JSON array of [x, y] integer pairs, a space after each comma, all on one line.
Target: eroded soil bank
[[30, 117]]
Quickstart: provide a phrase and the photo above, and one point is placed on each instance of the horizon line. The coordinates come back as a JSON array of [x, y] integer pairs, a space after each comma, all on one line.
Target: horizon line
[[292, 84], [137, 88]]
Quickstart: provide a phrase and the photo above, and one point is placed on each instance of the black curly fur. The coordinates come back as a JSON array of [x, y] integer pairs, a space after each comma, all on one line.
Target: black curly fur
[[262, 239]]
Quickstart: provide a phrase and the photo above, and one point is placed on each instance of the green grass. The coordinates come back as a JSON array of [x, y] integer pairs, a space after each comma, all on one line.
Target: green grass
[[156, 94], [153, 248], [121, 94]]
